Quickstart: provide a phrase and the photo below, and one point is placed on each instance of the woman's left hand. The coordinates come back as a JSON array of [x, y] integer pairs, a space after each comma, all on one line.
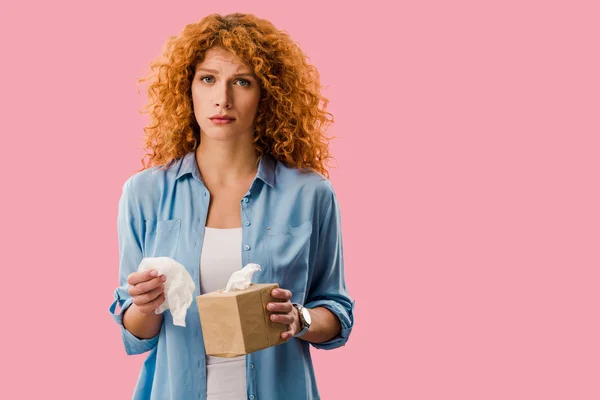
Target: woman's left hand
[[284, 312]]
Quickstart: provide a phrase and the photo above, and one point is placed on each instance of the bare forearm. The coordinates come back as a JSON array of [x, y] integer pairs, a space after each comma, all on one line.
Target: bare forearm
[[324, 326], [140, 325]]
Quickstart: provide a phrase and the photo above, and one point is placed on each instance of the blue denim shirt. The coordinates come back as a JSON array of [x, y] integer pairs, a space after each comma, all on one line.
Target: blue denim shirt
[[290, 226]]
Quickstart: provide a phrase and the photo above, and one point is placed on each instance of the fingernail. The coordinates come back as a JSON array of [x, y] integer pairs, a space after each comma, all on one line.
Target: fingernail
[[274, 317], [153, 273], [271, 306], [164, 278], [275, 292]]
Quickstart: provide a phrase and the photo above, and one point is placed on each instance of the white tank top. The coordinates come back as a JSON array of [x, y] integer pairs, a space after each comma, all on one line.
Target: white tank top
[[221, 256]]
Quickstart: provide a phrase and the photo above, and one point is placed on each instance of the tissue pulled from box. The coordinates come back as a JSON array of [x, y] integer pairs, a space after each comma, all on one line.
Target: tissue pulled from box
[[241, 279], [179, 286]]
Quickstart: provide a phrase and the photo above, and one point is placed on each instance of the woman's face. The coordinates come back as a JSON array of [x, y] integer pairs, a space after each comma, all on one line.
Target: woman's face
[[225, 86]]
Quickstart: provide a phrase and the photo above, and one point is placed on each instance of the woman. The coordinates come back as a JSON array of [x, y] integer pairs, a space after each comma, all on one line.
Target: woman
[[236, 174]]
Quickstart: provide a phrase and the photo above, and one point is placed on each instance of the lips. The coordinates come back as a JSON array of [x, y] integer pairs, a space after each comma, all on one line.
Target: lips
[[222, 117]]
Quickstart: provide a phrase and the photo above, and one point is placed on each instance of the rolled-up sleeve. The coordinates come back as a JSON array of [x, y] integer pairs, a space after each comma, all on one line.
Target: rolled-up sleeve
[[328, 286], [130, 231]]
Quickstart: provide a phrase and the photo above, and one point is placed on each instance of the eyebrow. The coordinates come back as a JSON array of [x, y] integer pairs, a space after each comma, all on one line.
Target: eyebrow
[[214, 71]]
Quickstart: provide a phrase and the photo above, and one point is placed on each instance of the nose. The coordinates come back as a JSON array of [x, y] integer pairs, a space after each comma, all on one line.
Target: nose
[[223, 96]]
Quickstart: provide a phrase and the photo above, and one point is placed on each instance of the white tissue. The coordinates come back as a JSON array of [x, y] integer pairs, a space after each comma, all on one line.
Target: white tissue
[[242, 279], [179, 286]]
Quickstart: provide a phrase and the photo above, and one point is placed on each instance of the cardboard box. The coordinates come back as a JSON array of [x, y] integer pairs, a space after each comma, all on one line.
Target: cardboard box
[[238, 322]]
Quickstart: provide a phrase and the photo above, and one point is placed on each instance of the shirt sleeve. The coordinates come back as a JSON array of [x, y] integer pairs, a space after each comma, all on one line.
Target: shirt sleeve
[[328, 286], [130, 231]]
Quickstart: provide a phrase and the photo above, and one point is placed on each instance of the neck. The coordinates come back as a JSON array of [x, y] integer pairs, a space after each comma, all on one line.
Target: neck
[[226, 163]]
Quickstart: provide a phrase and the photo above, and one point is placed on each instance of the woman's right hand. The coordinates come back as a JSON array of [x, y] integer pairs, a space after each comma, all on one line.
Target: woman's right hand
[[147, 290]]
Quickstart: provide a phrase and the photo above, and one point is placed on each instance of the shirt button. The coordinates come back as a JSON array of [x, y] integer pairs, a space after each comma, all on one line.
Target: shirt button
[[251, 366], [245, 199], [246, 247], [247, 223], [251, 397]]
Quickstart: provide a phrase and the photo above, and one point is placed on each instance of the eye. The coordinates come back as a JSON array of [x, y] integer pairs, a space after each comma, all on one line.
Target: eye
[[203, 79], [244, 82]]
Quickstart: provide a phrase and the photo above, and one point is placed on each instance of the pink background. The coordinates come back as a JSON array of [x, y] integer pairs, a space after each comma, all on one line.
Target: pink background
[[468, 176]]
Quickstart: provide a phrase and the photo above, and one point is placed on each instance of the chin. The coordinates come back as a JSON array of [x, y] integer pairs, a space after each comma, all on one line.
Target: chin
[[224, 133], [221, 134]]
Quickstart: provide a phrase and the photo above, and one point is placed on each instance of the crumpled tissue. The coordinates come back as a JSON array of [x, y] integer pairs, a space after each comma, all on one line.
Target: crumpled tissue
[[179, 286]]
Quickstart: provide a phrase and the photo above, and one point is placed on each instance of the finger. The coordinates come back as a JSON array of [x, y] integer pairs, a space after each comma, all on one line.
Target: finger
[[283, 294], [153, 305], [138, 277], [148, 297], [144, 287], [285, 307], [286, 319], [287, 335]]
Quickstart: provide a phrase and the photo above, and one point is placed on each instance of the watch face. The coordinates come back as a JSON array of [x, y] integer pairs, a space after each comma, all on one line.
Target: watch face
[[306, 315]]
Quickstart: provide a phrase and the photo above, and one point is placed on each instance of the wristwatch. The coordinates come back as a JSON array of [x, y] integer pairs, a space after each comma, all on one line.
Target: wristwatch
[[304, 319]]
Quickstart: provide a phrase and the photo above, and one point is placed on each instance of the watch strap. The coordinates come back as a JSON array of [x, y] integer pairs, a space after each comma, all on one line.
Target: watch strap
[[304, 325]]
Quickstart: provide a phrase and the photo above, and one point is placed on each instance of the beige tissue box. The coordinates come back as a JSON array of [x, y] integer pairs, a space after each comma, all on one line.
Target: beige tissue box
[[238, 322]]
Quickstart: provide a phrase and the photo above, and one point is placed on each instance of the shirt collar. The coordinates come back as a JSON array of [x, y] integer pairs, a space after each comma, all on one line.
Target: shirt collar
[[266, 168]]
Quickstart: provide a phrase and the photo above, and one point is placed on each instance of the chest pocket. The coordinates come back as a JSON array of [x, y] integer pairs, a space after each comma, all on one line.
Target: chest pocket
[[289, 254], [162, 238]]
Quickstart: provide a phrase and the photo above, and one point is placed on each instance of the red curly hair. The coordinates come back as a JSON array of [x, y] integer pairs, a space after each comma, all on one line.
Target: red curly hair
[[291, 118]]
